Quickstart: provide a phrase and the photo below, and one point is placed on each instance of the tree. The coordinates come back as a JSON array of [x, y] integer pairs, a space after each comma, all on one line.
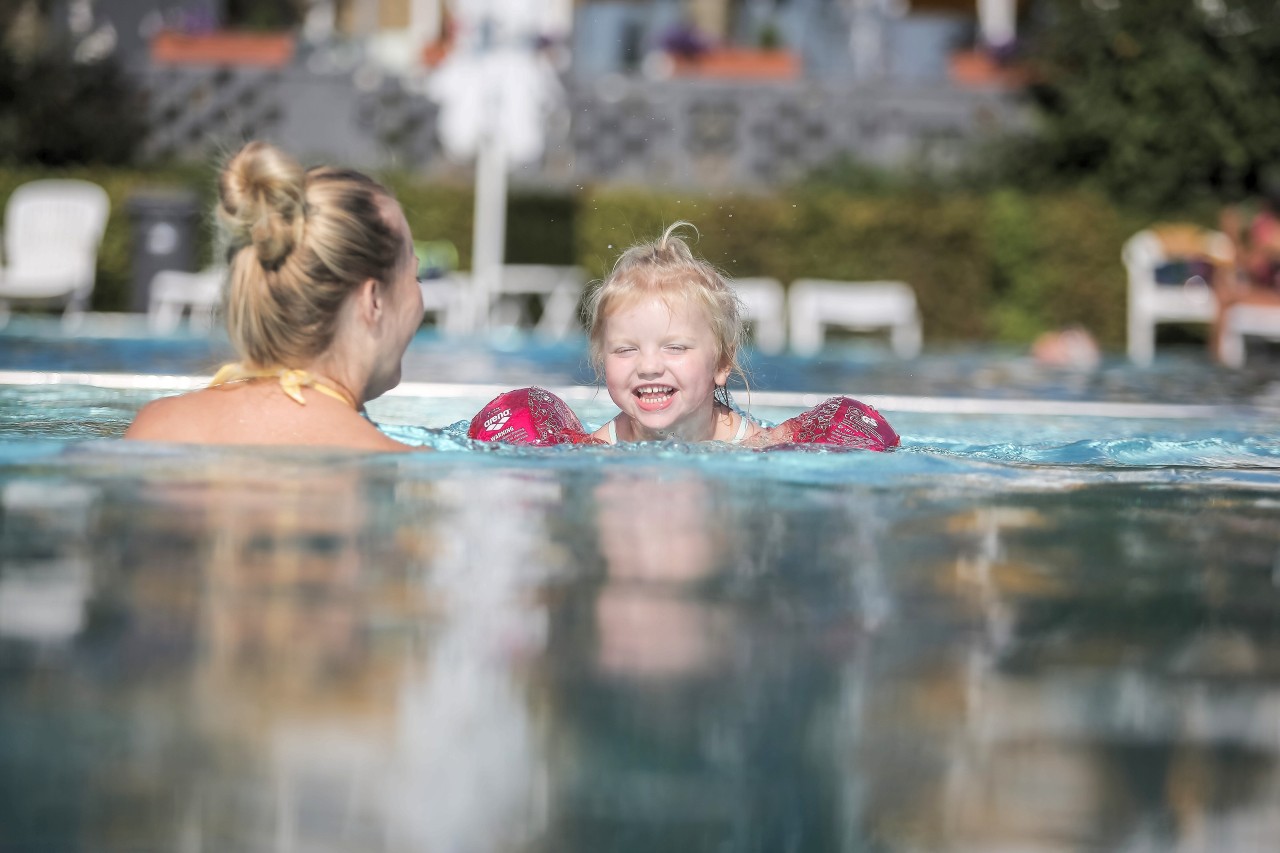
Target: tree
[[1161, 101], [263, 14], [57, 111]]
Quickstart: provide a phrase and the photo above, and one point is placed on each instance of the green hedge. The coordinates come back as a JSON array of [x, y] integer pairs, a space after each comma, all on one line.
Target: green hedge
[[1001, 266], [541, 228], [997, 266], [1055, 260]]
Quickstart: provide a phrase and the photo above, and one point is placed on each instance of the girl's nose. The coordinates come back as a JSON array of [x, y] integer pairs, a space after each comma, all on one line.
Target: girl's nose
[[649, 365]]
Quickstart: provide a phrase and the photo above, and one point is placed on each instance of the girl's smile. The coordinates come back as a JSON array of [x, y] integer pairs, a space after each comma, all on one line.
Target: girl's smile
[[655, 398]]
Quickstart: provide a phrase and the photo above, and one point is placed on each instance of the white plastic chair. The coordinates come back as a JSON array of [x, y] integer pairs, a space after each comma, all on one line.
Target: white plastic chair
[[864, 306], [764, 307], [444, 299], [1151, 303], [175, 293], [1238, 321], [558, 287], [52, 231]]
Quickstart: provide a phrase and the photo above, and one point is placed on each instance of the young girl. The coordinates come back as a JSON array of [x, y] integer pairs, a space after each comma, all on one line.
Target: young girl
[[664, 331]]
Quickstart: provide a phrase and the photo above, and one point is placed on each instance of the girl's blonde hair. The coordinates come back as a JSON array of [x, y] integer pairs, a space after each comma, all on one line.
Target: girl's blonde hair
[[667, 269], [297, 243]]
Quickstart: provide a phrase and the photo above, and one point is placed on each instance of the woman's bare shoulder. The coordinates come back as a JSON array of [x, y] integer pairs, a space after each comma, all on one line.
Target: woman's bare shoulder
[[166, 419], [369, 437]]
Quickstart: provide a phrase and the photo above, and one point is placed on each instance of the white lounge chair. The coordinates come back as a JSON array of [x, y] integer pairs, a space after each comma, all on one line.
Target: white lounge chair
[[1151, 303], [52, 231], [1239, 321], [557, 288], [444, 300], [764, 307], [175, 293], [865, 306]]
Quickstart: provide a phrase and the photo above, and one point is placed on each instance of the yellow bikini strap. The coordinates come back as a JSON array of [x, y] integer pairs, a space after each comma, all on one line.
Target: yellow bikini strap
[[292, 381]]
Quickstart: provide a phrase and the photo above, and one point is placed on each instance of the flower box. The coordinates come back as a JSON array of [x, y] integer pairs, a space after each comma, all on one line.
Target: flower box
[[978, 69], [224, 47], [739, 64]]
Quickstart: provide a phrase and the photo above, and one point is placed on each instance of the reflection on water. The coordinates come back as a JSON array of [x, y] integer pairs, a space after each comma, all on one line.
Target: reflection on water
[[488, 652]]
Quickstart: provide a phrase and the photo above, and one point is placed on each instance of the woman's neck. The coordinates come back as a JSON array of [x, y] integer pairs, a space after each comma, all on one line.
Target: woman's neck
[[327, 371]]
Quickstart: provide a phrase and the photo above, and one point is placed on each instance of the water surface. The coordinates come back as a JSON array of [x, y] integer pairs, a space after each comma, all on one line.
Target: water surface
[[1016, 633]]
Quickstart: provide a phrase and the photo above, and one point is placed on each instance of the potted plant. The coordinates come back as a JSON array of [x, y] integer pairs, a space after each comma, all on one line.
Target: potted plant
[[988, 66], [694, 56], [195, 38]]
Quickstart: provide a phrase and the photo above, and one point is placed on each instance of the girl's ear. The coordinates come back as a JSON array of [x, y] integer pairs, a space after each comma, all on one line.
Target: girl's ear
[[726, 367]]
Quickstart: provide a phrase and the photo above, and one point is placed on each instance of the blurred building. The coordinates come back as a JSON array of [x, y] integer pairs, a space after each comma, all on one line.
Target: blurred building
[[863, 41], [686, 92]]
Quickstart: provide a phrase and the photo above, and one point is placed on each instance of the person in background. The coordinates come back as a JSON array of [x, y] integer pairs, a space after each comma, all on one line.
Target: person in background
[[1072, 348], [322, 303], [1258, 247], [1257, 269]]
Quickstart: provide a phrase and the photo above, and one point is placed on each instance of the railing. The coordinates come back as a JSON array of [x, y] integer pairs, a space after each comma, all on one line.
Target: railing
[[701, 133]]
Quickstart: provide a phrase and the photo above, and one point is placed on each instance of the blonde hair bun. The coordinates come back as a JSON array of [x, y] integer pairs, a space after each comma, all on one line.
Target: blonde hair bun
[[297, 244], [262, 202]]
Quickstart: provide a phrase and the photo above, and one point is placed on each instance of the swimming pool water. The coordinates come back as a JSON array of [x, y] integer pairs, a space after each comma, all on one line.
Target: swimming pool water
[[1032, 633]]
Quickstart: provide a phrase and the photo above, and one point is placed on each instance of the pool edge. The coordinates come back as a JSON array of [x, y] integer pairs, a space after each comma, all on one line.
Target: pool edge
[[780, 399]]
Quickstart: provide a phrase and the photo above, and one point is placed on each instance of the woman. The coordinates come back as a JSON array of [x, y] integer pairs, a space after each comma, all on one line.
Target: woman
[[322, 302], [1257, 280]]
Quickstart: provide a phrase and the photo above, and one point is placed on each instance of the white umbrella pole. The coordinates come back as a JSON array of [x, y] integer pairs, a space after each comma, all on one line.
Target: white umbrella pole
[[489, 237]]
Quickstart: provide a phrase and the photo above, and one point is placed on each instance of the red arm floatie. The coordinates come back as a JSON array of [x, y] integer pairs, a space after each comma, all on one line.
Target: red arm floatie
[[529, 416], [841, 422]]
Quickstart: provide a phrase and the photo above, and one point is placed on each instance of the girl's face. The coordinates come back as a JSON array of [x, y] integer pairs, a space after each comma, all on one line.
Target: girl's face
[[662, 366]]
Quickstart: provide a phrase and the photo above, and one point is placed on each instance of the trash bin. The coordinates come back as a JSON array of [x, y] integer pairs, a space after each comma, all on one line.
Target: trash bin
[[164, 230]]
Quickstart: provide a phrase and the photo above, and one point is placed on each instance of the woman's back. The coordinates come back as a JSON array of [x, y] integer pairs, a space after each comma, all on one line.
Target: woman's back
[[258, 413]]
